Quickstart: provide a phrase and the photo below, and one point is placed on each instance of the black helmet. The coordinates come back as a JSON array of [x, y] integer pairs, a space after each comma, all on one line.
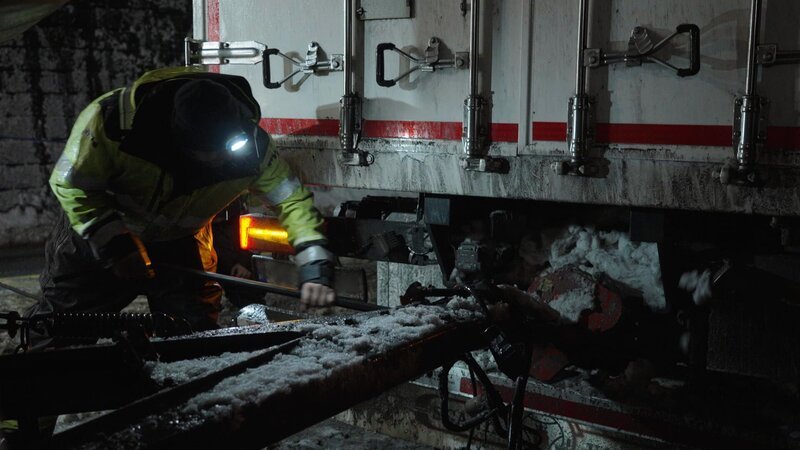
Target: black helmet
[[209, 124]]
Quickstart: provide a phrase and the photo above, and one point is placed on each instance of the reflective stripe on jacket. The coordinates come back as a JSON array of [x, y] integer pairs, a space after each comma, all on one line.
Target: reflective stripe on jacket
[[105, 190]]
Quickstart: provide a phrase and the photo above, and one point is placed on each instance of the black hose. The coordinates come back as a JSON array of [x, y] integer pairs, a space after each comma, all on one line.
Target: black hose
[[518, 407], [495, 411]]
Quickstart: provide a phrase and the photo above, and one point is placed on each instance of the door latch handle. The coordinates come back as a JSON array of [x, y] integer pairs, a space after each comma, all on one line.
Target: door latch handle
[[431, 62], [198, 52], [641, 50]]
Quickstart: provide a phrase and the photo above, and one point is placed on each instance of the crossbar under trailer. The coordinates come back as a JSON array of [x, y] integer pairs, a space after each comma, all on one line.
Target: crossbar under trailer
[[352, 364]]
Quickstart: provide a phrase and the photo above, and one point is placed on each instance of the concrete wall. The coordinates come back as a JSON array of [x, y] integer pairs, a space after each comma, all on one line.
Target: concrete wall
[[49, 73]]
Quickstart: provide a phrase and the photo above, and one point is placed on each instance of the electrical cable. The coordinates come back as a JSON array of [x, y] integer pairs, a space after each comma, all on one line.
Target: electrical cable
[[497, 408]]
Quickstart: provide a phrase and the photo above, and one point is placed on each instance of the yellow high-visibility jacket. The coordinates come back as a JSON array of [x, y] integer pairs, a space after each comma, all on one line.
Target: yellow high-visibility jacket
[[116, 175]]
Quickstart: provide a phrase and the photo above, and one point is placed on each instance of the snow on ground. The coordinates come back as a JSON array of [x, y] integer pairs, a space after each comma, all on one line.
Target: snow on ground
[[614, 254]]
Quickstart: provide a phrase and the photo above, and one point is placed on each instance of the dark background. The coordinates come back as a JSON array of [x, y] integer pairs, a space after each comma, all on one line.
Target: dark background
[[51, 72]]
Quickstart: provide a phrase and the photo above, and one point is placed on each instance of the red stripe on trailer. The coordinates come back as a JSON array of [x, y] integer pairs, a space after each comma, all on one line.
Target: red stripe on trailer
[[301, 127], [505, 132], [448, 131], [630, 133], [655, 134], [549, 131], [783, 137], [212, 26], [648, 134], [634, 133], [388, 129]]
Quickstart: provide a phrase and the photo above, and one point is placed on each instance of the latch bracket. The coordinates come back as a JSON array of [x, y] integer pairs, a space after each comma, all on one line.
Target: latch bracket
[[431, 62], [197, 52], [311, 65], [770, 55], [641, 49]]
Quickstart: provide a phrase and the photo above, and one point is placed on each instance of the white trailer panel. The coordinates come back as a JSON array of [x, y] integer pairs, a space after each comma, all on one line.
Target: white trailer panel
[[662, 137]]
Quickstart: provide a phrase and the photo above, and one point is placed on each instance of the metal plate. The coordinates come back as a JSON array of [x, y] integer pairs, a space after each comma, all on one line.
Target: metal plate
[[385, 9]]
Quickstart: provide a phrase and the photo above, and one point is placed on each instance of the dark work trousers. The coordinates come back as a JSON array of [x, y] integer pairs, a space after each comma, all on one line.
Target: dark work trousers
[[73, 281]]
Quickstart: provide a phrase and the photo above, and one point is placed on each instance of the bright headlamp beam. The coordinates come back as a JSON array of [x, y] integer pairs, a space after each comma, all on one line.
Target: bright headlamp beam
[[237, 144]]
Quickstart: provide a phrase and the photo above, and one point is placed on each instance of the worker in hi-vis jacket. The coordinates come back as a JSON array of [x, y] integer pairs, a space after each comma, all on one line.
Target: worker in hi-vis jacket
[[145, 170]]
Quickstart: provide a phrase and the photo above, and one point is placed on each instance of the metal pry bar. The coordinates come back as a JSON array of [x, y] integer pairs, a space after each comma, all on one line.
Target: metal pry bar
[[341, 300]]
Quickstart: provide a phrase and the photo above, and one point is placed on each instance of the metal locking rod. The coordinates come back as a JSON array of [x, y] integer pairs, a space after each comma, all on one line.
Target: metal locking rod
[[350, 104], [430, 63], [770, 55], [579, 132], [749, 119], [642, 50]]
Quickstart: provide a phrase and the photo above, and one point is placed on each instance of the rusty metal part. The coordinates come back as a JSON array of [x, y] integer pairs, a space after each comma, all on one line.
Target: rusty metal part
[[602, 316], [288, 411], [607, 310]]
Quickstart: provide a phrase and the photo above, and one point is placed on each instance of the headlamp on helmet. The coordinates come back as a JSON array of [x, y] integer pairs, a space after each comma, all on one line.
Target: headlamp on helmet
[[237, 142]]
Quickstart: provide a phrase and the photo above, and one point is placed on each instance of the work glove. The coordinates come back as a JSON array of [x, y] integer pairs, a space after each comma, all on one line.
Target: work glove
[[316, 283], [127, 257]]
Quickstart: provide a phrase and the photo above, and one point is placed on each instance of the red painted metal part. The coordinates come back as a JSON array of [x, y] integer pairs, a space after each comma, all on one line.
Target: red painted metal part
[[646, 134], [549, 131], [387, 129], [212, 25], [301, 127], [547, 362], [783, 137], [644, 426], [610, 310], [659, 134], [450, 131], [553, 286]]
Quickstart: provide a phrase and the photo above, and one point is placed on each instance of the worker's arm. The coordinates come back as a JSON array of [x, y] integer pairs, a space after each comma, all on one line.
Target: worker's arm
[[281, 190], [80, 182]]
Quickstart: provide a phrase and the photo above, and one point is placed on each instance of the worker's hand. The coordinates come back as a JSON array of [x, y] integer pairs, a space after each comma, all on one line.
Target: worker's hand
[[127, 257], [316, 281], [241, 271], [315, 294]]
